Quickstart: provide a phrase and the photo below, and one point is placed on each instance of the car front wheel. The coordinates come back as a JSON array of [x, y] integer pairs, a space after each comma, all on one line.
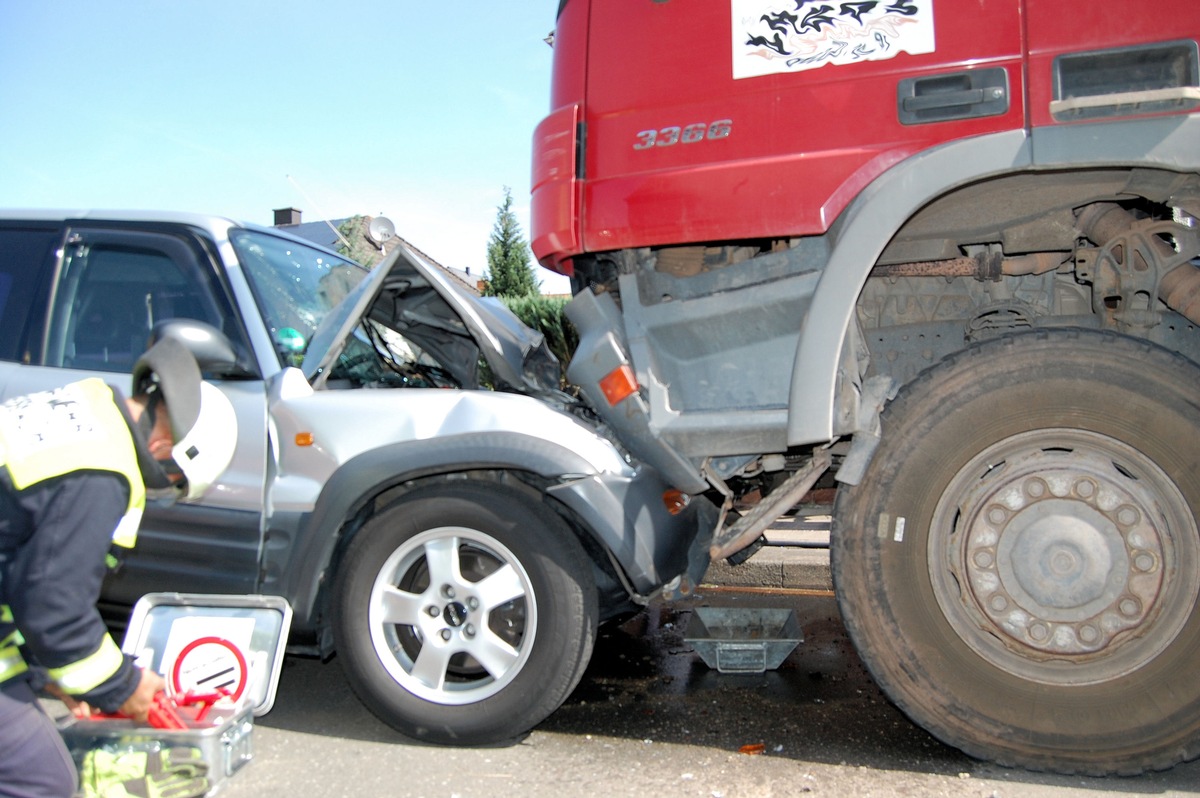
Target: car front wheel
[[465, 613]]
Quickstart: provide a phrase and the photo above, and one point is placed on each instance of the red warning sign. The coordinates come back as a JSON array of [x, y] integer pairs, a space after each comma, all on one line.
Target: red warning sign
[[208, 664]]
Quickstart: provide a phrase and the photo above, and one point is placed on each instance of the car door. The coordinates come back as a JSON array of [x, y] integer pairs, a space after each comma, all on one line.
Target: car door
[[110, 285]]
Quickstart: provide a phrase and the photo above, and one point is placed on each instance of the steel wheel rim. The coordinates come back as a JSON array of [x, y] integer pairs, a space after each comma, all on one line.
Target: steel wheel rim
[[452, 616], [1064, 557]]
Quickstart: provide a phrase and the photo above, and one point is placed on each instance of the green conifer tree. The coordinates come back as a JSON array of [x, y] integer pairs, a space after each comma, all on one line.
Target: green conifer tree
[[509, 271]]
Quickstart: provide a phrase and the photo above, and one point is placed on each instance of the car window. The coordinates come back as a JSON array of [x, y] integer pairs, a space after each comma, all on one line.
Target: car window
[[294, 285], [378, 356], [112, 289], [24, 258]]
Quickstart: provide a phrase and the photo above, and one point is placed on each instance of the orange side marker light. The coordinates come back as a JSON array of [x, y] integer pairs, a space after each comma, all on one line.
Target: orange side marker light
[[676, 501], [619, 384]]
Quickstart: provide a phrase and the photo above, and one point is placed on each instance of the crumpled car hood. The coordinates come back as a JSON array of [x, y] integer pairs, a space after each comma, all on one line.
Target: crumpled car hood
[[409, 292]]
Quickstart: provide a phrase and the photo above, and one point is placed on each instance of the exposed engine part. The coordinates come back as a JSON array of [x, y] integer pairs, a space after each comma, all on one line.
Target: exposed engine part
[[1000, 317], [748, 528], [681, 261], [690, 261], [1136, 262], [984, 266]]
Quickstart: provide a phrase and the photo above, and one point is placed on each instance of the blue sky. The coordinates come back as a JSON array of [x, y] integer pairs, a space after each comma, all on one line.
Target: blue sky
[[419, 111]]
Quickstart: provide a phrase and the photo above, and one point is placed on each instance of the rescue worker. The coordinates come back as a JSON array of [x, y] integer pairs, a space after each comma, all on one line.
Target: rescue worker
[[77, 462]]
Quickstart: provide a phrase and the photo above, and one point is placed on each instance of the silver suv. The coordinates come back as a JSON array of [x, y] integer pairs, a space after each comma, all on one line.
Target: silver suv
[[408, 474]]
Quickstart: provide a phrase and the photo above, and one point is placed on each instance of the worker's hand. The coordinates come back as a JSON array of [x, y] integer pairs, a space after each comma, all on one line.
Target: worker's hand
[[138, 705], [80, 709]]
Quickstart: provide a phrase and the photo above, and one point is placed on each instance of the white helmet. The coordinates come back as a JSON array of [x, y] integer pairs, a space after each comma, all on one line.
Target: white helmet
[[203, 422]]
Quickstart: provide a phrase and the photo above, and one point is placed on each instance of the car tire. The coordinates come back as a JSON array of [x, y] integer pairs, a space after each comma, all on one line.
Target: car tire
[[1019, 567], [465, 613]]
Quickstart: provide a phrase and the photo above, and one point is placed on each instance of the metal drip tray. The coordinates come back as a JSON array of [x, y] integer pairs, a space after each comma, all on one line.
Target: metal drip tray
[[743, 640]]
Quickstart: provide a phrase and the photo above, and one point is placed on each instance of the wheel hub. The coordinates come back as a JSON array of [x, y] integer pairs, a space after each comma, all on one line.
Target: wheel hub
[[455, 614], [1062, 559], [1061, 562], [1064, 556]]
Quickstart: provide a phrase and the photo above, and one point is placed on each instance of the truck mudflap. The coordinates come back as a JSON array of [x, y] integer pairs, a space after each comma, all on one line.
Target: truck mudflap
[[604, 373]]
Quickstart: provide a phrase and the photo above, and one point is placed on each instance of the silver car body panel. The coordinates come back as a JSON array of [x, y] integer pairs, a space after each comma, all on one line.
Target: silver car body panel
[[294, 490], [345, 424]]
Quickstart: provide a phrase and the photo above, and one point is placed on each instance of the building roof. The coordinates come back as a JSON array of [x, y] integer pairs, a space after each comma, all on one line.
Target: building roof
[[325, 233]]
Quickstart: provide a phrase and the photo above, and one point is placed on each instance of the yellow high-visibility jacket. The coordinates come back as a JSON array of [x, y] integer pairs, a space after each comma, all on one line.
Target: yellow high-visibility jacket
[[44, 436]]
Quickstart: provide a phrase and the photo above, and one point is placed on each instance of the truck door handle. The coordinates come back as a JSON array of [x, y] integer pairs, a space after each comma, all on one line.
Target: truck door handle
[[956, 95], [949, 99]]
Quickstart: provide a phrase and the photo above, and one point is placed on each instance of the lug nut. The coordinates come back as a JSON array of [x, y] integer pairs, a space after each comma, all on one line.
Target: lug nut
[[446, 635]]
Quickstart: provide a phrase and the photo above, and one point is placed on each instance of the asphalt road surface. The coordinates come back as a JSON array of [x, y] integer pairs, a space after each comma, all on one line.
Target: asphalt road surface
[[650, 718]]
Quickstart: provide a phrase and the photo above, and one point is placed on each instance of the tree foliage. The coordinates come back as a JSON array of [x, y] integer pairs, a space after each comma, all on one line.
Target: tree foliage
[[355, 244], [545, 314], [509, 271]]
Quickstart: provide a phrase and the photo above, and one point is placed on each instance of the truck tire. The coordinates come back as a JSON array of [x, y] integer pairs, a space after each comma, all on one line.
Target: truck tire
[[464, 613], [1019, 567]]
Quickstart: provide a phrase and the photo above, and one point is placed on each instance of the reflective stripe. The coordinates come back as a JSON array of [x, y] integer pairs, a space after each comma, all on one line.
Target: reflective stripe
[[14, 638], [6, 615], [125, 535], [91, 671], [11, 662]]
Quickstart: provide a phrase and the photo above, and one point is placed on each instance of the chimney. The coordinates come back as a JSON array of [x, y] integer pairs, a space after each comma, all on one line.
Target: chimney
[[287, 216]]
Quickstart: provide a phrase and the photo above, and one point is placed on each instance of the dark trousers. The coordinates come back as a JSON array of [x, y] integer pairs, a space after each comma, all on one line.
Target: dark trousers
[[35, 763], [53, 538]]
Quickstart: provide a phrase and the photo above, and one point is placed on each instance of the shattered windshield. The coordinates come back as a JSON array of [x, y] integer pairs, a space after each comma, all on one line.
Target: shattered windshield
[[294, 285], [380, 357]]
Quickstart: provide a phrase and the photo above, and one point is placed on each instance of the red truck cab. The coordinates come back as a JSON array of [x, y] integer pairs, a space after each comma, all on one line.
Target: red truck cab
[[942, 256]]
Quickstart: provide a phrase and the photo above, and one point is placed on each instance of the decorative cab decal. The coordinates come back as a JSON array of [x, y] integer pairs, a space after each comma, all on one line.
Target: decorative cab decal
[[772, 36]]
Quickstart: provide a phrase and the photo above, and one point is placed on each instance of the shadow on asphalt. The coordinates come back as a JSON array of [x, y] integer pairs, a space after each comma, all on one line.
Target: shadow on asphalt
[[820, 705], [645, 684]]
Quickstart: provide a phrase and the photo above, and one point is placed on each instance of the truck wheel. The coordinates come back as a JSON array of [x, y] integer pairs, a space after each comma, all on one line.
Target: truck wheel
[[465, 614], [1020, 565]]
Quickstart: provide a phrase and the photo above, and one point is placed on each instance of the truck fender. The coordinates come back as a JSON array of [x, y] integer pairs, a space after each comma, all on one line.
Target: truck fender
[[860, 234], [857, 238]]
